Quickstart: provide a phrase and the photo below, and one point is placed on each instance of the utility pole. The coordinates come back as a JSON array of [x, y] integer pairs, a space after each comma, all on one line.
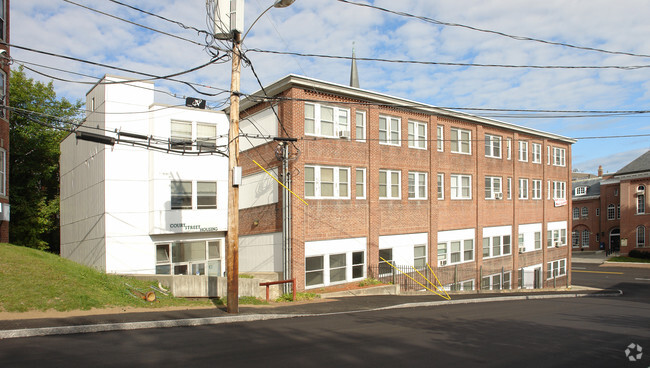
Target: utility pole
[[232, 239]]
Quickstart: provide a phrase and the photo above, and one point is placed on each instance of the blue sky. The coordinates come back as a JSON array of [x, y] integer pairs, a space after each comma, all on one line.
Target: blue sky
[[330, 27]]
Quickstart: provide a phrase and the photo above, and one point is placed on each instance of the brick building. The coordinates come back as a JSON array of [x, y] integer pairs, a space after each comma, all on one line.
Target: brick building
[[483, 202], [611, 212], [4, 122]]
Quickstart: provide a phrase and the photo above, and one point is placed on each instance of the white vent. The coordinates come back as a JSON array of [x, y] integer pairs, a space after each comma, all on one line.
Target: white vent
[[344, 134]]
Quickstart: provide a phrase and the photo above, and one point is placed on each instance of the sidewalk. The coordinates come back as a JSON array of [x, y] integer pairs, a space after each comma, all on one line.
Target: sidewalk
[[599, 257], [211, 316]]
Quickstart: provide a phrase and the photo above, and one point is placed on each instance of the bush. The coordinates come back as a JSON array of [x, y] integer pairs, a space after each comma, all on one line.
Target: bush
[[639, 254]]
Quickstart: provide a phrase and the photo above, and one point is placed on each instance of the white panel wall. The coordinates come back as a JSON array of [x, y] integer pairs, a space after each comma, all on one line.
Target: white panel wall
[[497, 231], [260, 253], [258, 189], [447, 236], [558, 225], [262, 123], [402, 246], [529, 230]]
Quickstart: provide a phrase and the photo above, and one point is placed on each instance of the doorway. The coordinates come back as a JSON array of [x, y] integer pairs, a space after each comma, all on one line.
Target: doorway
[[615, 240]]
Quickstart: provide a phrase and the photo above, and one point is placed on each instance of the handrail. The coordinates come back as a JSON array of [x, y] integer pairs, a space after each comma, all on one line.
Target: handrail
[[268, 284]]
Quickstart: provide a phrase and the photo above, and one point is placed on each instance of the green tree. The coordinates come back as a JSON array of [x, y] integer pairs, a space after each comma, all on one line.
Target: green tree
[[38, 120]]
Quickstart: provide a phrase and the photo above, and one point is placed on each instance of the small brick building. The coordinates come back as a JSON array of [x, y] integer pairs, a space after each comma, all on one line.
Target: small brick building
[[389, 181], [611, 212]]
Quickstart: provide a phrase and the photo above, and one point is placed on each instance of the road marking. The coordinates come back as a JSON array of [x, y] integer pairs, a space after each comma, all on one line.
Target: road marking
[[640, 279], [613, 273], [578, 268]]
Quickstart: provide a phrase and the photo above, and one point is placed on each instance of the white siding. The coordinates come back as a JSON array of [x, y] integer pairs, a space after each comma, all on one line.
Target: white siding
[[262, 123], [260, 253], [258, 189]]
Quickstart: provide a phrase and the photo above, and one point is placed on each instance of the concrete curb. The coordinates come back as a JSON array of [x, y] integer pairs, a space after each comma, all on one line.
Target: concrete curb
[[66, 330]]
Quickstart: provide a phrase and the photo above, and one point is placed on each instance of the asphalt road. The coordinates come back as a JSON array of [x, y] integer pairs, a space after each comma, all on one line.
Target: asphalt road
[[576, 332]]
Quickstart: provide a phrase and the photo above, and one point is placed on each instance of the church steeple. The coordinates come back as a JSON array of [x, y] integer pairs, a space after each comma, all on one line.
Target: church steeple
[[354, 74]]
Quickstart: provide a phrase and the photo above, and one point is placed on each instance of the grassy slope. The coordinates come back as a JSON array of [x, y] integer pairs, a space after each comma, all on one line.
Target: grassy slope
[[34, 280]]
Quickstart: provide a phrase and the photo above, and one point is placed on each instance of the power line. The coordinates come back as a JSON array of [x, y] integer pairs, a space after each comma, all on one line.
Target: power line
[[512, 66], [518, 38]]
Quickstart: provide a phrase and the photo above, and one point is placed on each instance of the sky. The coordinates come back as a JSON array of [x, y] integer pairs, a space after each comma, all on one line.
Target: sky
[[449, 33]]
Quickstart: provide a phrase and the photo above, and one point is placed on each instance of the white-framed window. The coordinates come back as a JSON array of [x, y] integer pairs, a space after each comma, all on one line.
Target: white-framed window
[[461, 141], [559, 190], [327, 269], [509, 148], [327, 182], [360, 126], [461, 186], [327, 121], [548, 189], [314, 270], [523, 188], [493, 187], [389, 130], [3, 15], [455, 251], [559, 156], [538, 240], [181, 135], [497, 246], [184, 133], [389, 184], [441, 138], [548, 155], [419, 256], [492, 146], [188, 195], [585, 239], [523, 151], [200, 257], [467, 285], [441, 186], [385, 261], [537, 153], [576, 213], [497, 281], [556, 268], [575, 239], [611, 212], [580, 191], [3, 171], [417, 185], [556, 237], [640, 236], [640, 200], [585, 212], [360, 183], [537, 189], [509, 189], [417, 134]]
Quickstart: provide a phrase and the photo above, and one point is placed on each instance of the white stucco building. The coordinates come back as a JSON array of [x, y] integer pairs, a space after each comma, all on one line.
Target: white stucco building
[[137, 210]]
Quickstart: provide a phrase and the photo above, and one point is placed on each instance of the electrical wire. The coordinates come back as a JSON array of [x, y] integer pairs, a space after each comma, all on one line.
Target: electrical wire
[[518, 38]]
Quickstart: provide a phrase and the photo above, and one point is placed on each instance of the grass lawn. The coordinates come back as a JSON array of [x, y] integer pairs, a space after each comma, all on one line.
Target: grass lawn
[[628, 259], [35, 280]]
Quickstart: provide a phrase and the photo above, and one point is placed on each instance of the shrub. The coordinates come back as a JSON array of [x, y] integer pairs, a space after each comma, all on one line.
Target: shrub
[[635, 253]]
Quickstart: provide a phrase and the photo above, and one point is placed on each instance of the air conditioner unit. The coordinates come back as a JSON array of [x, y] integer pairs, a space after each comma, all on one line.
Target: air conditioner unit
[[521, 249], [498, 195], [344, 134], [442, 263]]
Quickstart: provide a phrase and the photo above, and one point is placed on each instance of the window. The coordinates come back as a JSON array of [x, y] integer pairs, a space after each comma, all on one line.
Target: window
[[417, 134], [576, 213], [497, 281], [441, 186], [575, 239], [492, 146], [559, 190], [509, 149], [523, 188], [640, 202], [460, 141], [337, 267], [206, 195], [559, 156], [585, 239], [579, 191], [538, 240], [389, 130], [523, 151], [360, 126], [640, 236], [324, 182], [537, 153], [3, 31], [441, 139], [537, 189], [3, 172], [597, 211], [206, 137], [184, 133], [456, 251], [496, 246], [314, 267], [556, 268], [389, 184], [556, 238], [585, 212], [361, 183], [3, 83], [461, 186], [358, 265], [521, 243], [611, 214], [385, 257], [548, 189], [189, 258], [493, 187], [181, 195], [419, 256], [618, 211], [417, 185], [509, 189], [548, 155], [467, 285], [181, 135], [327, 121]]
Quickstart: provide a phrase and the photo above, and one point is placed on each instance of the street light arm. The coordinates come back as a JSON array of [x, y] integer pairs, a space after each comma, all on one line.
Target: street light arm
[[276, 4]]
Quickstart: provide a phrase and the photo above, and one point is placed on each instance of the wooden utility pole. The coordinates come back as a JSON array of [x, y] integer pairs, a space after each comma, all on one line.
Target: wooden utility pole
[[232, 239]]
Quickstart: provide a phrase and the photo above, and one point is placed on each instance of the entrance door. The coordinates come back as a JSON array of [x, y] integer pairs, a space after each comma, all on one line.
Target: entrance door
[[615, 240]]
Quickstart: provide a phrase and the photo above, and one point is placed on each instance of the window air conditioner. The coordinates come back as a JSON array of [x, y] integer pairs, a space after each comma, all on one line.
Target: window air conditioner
[[442, 263], [344, 134], [498, 195], [521, 249]]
